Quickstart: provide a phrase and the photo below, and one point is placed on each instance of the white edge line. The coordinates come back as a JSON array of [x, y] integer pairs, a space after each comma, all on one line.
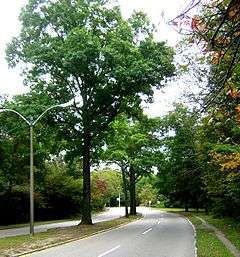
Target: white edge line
[[109, 251], [145, 232], [195, 237]]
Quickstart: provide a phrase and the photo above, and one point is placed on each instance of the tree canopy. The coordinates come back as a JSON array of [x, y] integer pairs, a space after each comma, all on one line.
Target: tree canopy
[[86, 50]]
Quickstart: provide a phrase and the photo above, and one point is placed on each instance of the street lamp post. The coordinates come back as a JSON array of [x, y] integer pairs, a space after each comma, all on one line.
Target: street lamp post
[[119, 200], [31, 123]]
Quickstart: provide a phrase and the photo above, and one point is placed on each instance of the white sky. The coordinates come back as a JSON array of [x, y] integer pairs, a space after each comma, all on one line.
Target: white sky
[[11, 82]]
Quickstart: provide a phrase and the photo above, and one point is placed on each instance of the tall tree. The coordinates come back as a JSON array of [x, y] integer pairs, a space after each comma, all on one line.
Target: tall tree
[[179, 174], [133, 145], [215, 28], [85, 48]]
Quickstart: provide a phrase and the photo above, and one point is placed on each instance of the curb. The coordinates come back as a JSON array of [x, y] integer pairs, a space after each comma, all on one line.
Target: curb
[[221, 237], [195, 236], [25, 254]]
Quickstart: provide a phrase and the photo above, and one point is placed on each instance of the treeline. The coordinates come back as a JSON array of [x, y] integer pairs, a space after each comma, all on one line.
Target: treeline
[[210, 151], [200, 166], [58, 178]]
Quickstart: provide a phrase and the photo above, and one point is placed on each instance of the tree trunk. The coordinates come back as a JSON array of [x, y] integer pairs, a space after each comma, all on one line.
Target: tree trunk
[[86, 211], [125, 189], [133, 210], [186, 205]]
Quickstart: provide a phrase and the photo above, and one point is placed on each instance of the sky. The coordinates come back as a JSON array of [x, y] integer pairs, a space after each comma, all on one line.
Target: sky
[[158, 11]]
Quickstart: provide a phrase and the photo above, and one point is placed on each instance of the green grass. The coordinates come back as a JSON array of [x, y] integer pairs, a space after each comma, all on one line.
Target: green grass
[[36, 223], [230, 227], [75, 218], [19, 244], [208, 244]]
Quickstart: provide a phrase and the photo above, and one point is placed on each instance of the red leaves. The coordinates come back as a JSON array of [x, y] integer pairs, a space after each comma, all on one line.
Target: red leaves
[[101, 186], [233, 93], [194, 23], [198, 24]]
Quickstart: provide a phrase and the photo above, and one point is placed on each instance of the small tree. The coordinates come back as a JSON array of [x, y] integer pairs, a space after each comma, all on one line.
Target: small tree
[[133, 146]]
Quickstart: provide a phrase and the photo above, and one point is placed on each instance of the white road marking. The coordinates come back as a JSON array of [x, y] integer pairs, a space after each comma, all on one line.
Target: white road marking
[[145, 232], [109, 251], [159, 222]]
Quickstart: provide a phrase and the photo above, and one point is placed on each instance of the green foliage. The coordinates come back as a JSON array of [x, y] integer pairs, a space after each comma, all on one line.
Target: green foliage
[[219, 158], [88, 49], [214, 29], [147, 193], [133, 143], [134, 146], [81, 48], [179, 176], [62, 194]]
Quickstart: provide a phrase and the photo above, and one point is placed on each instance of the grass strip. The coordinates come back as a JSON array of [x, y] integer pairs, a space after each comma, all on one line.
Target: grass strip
[[19, 244], [208, 245], [230, 227], [22, 225]]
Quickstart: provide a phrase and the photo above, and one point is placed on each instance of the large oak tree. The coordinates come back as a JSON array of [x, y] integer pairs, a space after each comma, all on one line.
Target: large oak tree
[[72, 48]]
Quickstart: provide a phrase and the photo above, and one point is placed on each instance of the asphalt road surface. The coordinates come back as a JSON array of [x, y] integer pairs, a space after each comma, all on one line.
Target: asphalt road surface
[[158, 234], [110, 214]]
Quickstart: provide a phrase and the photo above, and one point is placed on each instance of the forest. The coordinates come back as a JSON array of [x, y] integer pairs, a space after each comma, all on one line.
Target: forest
[[101, 144]]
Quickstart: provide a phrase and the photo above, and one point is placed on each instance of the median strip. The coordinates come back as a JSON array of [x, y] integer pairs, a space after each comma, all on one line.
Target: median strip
[[22, 245]]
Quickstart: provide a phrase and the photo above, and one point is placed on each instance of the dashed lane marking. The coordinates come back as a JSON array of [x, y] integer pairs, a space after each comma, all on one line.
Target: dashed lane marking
[[109, 251], [145, 232]]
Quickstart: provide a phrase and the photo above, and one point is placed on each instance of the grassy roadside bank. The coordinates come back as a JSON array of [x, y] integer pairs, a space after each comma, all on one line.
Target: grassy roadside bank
[[20, 244], [230, 227], [21, 225], [208, 244]]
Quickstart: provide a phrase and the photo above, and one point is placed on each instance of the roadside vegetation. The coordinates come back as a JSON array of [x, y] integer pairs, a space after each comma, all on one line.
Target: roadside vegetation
[[229, 226], [209, 245]]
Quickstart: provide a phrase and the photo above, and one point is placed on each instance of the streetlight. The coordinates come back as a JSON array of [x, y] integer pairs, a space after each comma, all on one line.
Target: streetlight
[[31, 123], [119, 197], [119, 200]]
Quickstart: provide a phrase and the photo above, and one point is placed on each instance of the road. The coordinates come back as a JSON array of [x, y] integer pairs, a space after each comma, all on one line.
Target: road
[[110, 214], [158, 234]]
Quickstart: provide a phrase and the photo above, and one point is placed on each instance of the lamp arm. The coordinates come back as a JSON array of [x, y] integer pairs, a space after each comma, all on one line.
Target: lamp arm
[[40, 116], [19, 114]]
